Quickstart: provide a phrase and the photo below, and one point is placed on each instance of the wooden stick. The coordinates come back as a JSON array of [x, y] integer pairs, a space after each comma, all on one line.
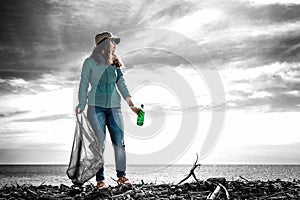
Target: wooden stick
[[192, 172], [244, 179], [121, 195]]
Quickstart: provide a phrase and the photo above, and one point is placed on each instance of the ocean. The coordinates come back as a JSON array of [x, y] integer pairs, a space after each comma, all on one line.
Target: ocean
[[56, 174]]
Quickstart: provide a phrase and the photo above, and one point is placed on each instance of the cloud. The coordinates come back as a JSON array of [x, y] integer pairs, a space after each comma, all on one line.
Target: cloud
[[155, 14], [12, 113], [51, 131], [270, 44], [270, 2], [154, 58], [242, 12], [275, 85], [45, 83]]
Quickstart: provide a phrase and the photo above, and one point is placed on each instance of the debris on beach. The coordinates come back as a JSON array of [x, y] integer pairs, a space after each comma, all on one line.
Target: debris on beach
[[238, 189], [215, 188]]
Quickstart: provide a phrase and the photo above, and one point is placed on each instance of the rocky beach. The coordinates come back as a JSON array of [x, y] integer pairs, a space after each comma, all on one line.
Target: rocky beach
[[213, 188]]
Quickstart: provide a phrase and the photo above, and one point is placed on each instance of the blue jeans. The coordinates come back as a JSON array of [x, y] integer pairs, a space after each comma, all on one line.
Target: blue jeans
[[99, 118]]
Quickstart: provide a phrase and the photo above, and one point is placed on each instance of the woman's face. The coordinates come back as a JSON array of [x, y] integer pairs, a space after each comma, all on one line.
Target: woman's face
[[112, 46]]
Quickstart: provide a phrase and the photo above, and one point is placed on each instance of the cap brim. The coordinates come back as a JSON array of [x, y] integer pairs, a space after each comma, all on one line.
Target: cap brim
[[116, 39]]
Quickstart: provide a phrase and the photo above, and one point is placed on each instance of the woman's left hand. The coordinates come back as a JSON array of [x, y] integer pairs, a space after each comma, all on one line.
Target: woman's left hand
[[131, 105], [135, 109]]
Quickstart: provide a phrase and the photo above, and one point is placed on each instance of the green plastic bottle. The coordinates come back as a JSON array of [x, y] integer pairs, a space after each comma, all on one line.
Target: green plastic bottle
[[141, 114]]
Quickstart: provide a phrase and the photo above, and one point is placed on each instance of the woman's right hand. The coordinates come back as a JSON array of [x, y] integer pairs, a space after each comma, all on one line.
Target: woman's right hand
[[78, 111], [116, 61]]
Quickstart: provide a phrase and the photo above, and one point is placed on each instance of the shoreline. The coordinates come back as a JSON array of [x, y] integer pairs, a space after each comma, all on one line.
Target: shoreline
[[53, 174], [200, 189]]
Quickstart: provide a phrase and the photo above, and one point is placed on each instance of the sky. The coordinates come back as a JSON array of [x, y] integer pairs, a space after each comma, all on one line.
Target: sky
[[218, 78]]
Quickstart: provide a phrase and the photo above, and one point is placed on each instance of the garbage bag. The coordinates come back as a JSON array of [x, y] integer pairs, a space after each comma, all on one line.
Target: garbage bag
[[86, 157]]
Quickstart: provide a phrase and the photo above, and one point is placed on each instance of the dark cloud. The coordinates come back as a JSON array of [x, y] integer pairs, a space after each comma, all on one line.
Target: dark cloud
[[283, 93], [285, 102], [152, 56], [173, 11], [259, 50], [275, 13], [282, 48], [13, 113], [42, 82], [242, 12], [25, 74], [23, 22], [290, 48], [162, 46], [25, 36], [19, 86]]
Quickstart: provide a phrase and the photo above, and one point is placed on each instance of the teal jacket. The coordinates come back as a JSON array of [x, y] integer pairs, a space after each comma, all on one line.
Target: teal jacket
[[103, 80]]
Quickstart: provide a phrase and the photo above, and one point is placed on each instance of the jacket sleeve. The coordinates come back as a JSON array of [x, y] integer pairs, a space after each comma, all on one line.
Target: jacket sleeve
[[83, 85], [121, 84]]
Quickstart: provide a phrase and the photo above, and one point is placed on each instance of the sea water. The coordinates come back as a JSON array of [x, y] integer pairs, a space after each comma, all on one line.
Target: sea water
[[56, 174]]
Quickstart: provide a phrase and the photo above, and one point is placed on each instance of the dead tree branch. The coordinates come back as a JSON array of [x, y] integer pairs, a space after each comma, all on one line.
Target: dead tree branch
[[192, 173]]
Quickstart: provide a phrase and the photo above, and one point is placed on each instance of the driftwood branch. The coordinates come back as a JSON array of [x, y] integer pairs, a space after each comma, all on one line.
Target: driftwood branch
[[275, 194], [244, 179], [192, 173], [115, 180], [122, 195], [225, 191]]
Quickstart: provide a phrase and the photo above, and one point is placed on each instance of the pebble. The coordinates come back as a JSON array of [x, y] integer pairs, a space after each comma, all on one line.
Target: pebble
[[238, 189]]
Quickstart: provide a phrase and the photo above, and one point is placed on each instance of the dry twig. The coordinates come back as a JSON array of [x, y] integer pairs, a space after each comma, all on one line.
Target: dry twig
[[192, 173]]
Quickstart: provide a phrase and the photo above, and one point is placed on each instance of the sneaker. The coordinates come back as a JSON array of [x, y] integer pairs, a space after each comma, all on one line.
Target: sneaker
[[101, 185], [124, 181]]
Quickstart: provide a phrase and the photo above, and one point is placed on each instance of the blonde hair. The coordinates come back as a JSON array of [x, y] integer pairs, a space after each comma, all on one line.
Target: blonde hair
[[97, 52]]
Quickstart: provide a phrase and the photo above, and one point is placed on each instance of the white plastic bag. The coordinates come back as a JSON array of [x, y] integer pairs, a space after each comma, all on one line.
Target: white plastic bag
[[86, 157]]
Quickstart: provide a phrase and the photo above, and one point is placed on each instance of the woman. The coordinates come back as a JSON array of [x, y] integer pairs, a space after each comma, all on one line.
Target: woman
[[102, 71]]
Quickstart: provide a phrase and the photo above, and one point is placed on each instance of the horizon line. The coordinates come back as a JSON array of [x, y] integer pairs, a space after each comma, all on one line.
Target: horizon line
[[66, 164]]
